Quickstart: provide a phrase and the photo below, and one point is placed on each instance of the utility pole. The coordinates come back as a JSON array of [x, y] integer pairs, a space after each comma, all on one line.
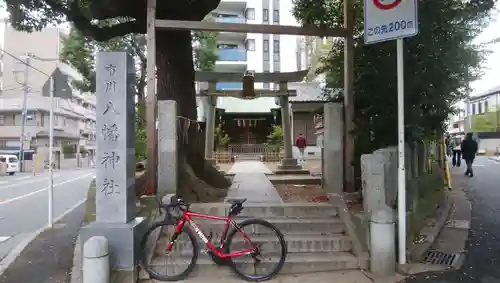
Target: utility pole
[[24, 115]]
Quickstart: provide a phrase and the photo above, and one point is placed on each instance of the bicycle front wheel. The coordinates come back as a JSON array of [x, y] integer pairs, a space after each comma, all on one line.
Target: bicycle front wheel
[[169, 265], [270, 255]]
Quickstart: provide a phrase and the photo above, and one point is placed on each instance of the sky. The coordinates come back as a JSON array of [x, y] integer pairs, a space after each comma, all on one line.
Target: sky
[[490, 69]]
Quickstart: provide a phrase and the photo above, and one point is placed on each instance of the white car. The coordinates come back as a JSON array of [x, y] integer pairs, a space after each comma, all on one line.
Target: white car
[[12, 163]]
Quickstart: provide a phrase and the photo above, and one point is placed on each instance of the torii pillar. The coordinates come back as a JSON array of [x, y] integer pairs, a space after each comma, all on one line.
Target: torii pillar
[[210, 126], [287, 162]]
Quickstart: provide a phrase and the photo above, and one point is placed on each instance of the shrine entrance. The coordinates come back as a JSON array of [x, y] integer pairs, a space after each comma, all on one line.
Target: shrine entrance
[[250, 119]]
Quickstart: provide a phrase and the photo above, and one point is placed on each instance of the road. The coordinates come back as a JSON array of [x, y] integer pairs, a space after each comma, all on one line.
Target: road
[[483, 257], [24, 202]]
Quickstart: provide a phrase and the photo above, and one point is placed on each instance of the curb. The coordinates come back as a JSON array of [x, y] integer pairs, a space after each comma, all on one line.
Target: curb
[[431, 233], [76, 271], [496, 159], [16, 251]]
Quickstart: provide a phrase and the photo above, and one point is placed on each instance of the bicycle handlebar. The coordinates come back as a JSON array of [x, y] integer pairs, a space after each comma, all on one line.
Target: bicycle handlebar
[[174, 203]]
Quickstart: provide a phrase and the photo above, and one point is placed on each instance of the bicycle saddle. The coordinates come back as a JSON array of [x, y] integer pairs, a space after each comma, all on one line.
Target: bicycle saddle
[[236, 200]]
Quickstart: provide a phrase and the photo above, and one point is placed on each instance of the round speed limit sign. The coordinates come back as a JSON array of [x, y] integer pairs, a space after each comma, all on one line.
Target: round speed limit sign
[[386, 4]]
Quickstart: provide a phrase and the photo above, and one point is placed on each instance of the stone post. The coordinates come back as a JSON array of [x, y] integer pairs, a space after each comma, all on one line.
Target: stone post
[[210, 127], [287, 162], [333, 152], [115, 166], [373, 179], [167, 148]]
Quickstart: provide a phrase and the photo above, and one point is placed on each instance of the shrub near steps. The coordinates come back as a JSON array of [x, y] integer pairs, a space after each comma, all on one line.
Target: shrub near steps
[[314, 233]]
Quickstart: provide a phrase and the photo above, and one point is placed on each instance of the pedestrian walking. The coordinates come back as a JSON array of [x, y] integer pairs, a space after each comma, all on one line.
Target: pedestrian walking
[[456, 152], [301, 144], [469, 150]]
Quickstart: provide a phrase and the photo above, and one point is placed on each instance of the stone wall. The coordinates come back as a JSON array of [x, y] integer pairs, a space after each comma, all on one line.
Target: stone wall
[[379, 174]]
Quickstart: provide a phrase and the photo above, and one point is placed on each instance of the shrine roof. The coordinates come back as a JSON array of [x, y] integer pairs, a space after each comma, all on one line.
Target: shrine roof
[[307, 92], [204, 76]]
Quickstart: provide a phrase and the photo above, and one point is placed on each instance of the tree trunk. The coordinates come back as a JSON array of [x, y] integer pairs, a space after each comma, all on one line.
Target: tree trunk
[[198, 180]]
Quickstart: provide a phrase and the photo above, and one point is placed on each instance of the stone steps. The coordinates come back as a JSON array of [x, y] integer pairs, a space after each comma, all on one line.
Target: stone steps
[[314, 233], [262, 210], [295, 263], [285, 225], [298, 243]]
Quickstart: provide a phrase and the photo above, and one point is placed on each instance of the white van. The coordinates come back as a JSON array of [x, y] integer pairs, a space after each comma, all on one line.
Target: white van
[[12, 163]]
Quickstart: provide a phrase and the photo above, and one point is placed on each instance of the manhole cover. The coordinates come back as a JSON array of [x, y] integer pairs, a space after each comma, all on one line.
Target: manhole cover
[[450, 259]]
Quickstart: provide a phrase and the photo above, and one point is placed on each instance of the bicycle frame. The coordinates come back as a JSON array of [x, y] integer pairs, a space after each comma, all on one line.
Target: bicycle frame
[[187, 217]]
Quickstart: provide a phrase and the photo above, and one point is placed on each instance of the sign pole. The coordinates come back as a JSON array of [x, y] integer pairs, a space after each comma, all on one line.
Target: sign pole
[[401, 157]]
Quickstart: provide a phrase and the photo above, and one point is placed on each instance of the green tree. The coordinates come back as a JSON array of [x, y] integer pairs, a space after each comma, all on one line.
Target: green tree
[[221, 137], [440, 62], [275, 138], [174, 61], [486, 122]]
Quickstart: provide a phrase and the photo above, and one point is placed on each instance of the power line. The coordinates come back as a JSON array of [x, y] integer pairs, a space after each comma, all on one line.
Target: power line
[[27, 64]]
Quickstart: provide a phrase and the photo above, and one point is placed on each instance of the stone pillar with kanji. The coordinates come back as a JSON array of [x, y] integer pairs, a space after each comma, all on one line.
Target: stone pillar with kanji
[[115, 197]]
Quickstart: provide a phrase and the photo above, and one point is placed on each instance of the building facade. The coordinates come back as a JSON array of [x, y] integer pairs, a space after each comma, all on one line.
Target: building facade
[[74, 117], [480, 113]]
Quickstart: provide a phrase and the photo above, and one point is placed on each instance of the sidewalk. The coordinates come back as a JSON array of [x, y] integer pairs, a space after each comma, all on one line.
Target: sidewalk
[[452, 239], [48, 258]]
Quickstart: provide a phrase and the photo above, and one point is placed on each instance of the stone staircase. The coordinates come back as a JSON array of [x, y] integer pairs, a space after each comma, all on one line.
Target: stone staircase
[[315, 235]]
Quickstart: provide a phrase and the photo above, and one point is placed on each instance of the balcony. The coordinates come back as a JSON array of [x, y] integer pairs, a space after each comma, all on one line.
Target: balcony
[[233, 55], [229, 86], [231, 20]]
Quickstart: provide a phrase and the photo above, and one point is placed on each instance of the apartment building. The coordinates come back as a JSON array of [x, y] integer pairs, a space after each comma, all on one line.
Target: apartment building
[[485, 103], [239, 52], [74, 117]]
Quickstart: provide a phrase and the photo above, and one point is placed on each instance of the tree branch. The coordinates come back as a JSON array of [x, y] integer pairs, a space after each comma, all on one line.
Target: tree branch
[[82, 23]]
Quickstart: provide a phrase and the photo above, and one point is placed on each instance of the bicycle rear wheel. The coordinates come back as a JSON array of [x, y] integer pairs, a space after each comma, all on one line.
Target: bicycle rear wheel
[[262, 235], [156, 262]]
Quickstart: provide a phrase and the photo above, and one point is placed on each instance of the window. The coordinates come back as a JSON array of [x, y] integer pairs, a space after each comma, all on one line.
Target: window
[[13, 119], [266, 85], [473, 109], [227, 46], [276, 4], [266, 45], [2, 120], [265, 56], [250, 44], [42, 119], [56, 120], [276, 46], [479, 108], [265, 15], [276, 16], [276, 50], [250, 14], [486, 106], [30, 119]]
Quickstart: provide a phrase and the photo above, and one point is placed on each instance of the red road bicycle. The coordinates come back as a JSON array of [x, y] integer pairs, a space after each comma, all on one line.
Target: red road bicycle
[[221, 255]]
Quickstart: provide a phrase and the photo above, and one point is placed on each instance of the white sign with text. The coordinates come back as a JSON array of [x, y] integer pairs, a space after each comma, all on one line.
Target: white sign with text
[[390, 19]]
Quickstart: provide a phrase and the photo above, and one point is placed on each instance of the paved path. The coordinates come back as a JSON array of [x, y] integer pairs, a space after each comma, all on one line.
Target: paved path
[[24, 202], [250, 182], [483, 258], [249, 167]]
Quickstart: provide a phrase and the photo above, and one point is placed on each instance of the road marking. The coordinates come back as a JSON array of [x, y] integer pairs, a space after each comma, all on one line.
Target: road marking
[[44, 189], [28, 182]]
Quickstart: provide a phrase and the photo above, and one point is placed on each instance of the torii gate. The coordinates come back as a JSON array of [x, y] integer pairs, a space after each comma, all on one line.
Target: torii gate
[[282, 79], [345, 32]]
